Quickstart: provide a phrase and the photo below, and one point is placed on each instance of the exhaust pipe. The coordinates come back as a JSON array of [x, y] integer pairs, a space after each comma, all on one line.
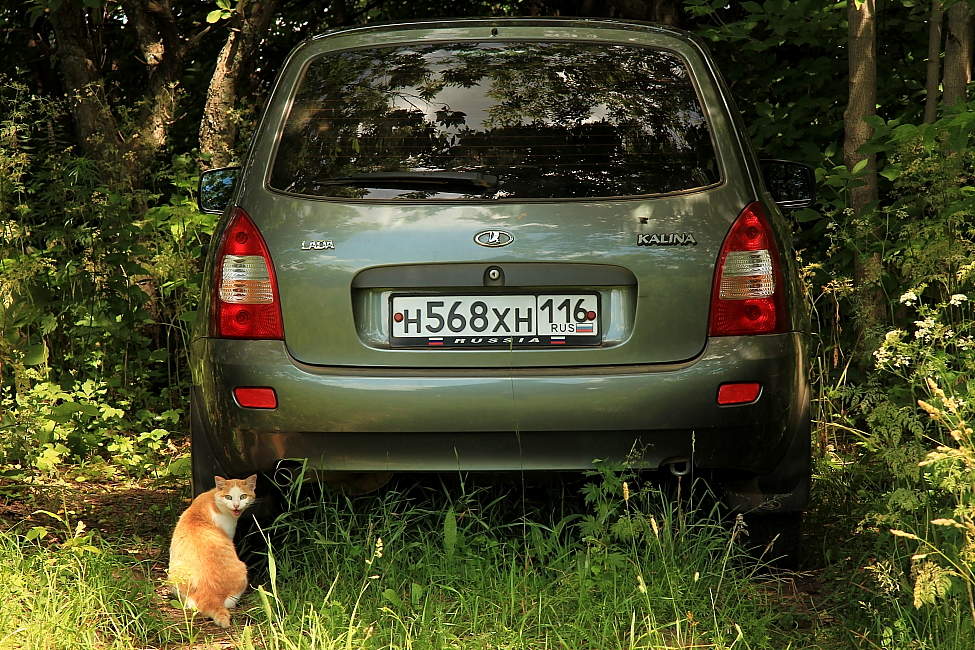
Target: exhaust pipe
[[680, 467]]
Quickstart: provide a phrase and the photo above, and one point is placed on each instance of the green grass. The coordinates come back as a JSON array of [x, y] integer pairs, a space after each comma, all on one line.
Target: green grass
[[455, 568], [480, 572], [71, 595]]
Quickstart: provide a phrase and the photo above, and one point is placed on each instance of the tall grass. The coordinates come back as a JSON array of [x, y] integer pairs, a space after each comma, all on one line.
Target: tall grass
[[72, 595], [615, 565], [485, 570]]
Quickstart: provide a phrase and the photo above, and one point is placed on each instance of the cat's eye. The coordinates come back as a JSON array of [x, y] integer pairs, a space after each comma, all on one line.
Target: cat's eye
[[229, 498], [243, 496]]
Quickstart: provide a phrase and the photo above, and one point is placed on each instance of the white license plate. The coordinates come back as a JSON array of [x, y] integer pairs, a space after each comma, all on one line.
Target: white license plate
[[510, 320]]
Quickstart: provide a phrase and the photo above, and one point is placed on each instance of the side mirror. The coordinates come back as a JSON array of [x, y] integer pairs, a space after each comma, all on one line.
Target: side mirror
[[791, 184], [216, 186]]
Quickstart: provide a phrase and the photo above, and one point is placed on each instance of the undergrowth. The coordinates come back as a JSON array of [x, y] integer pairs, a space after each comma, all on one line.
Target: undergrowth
[[73, 594], [615, 564], [632, 569]]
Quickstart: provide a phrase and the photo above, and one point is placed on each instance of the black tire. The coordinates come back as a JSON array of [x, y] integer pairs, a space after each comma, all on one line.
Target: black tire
[[255, 529], [775, 538], [204, 465]]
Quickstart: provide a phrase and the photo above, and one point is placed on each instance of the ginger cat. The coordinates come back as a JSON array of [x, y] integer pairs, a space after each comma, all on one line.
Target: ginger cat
[[203, 564]]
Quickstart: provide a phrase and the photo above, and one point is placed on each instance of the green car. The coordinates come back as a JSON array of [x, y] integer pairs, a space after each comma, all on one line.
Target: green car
[[504, 244]]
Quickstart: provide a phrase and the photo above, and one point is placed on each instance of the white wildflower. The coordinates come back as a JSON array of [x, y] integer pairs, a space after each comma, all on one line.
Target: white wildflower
[[924, 328], [881, 355], [908, 298], [893, 336], [957, 299]]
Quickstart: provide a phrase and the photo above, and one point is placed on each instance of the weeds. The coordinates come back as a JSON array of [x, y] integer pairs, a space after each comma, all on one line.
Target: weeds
[[74, 594], [428, 569]]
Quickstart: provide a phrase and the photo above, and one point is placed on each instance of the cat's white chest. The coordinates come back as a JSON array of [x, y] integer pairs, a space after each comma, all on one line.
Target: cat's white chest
[[226, 522]]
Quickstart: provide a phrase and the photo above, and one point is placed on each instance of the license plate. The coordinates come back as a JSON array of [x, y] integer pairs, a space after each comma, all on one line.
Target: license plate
[[495, 321]]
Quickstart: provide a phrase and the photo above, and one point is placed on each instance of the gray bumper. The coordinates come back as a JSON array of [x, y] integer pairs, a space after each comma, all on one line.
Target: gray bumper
[[368, 419]]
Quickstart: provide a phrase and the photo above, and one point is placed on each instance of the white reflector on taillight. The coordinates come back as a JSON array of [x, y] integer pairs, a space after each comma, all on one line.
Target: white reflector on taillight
[[747, 274], [748, 294], [244, 279]]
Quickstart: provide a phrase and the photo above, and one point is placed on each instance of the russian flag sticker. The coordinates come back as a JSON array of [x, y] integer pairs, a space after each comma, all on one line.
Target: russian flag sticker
[[435, 341], [584, 328]]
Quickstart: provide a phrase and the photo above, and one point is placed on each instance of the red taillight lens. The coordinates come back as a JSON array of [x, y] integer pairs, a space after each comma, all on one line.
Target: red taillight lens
[[748, 297], [245, 300], [739, 393], [255, 397]]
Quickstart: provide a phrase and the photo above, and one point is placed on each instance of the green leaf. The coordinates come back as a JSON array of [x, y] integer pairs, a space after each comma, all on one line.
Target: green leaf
[[450, 532], [37, 532], [875, 121], [62, 412], [416, 594], [36, 355], [392, 597], [806, 215], [180, 467], [224, 4], [214, 16], [891, 173], [860, 166]]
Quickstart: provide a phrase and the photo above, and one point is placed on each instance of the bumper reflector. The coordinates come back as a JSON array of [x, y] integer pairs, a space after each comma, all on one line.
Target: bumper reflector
[[256, 398], [742, 393]]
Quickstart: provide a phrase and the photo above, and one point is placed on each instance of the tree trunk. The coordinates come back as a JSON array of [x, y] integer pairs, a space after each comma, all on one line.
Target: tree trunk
[[163, 53], [218, 129], [934, 63], [958, 54], [98, 132], [862, 52], [862, 101], [125, 149]]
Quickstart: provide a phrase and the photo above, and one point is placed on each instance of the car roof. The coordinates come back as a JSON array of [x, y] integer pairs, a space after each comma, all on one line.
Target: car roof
[[555, 21]]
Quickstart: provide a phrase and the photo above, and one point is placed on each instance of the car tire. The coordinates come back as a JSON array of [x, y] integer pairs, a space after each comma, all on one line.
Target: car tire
[[204, 465], [775, 538]]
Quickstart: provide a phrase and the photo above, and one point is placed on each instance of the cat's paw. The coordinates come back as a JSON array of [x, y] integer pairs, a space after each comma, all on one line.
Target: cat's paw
[[222, 620]]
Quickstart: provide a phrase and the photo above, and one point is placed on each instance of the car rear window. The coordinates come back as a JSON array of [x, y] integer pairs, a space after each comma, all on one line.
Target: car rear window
[[498, 120]]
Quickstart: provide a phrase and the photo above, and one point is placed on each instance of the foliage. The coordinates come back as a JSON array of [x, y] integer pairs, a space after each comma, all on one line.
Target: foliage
[[95, 293], [910, 465]]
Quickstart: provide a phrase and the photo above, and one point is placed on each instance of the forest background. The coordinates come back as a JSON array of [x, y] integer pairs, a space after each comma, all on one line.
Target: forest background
[[109, 109]]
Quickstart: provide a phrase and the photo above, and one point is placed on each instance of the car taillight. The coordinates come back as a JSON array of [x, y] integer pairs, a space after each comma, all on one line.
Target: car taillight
[[738, 393], [245, 300], [748, 293], [255, 397]]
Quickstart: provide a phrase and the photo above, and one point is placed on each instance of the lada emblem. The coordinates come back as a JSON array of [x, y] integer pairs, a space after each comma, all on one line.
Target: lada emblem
[[494, 238], [318, 245]]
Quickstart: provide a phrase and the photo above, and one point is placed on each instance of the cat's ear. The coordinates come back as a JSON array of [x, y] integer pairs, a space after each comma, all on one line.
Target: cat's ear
[[219, 481], [251, 482]]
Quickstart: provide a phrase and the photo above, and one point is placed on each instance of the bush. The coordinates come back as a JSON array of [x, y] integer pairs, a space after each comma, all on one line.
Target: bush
[[97, 287]]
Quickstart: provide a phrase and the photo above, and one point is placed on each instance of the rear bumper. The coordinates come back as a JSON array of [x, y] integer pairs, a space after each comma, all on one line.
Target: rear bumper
[[382, 419]]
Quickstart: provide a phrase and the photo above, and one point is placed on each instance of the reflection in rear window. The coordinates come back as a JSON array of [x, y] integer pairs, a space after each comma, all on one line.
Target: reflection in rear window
[[495, 121]]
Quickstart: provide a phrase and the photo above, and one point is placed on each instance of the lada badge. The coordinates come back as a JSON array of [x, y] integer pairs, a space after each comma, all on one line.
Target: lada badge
[[494, 238]]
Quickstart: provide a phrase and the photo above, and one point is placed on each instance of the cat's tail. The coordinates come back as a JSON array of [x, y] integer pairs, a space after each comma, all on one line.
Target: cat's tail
[[209, 604]]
